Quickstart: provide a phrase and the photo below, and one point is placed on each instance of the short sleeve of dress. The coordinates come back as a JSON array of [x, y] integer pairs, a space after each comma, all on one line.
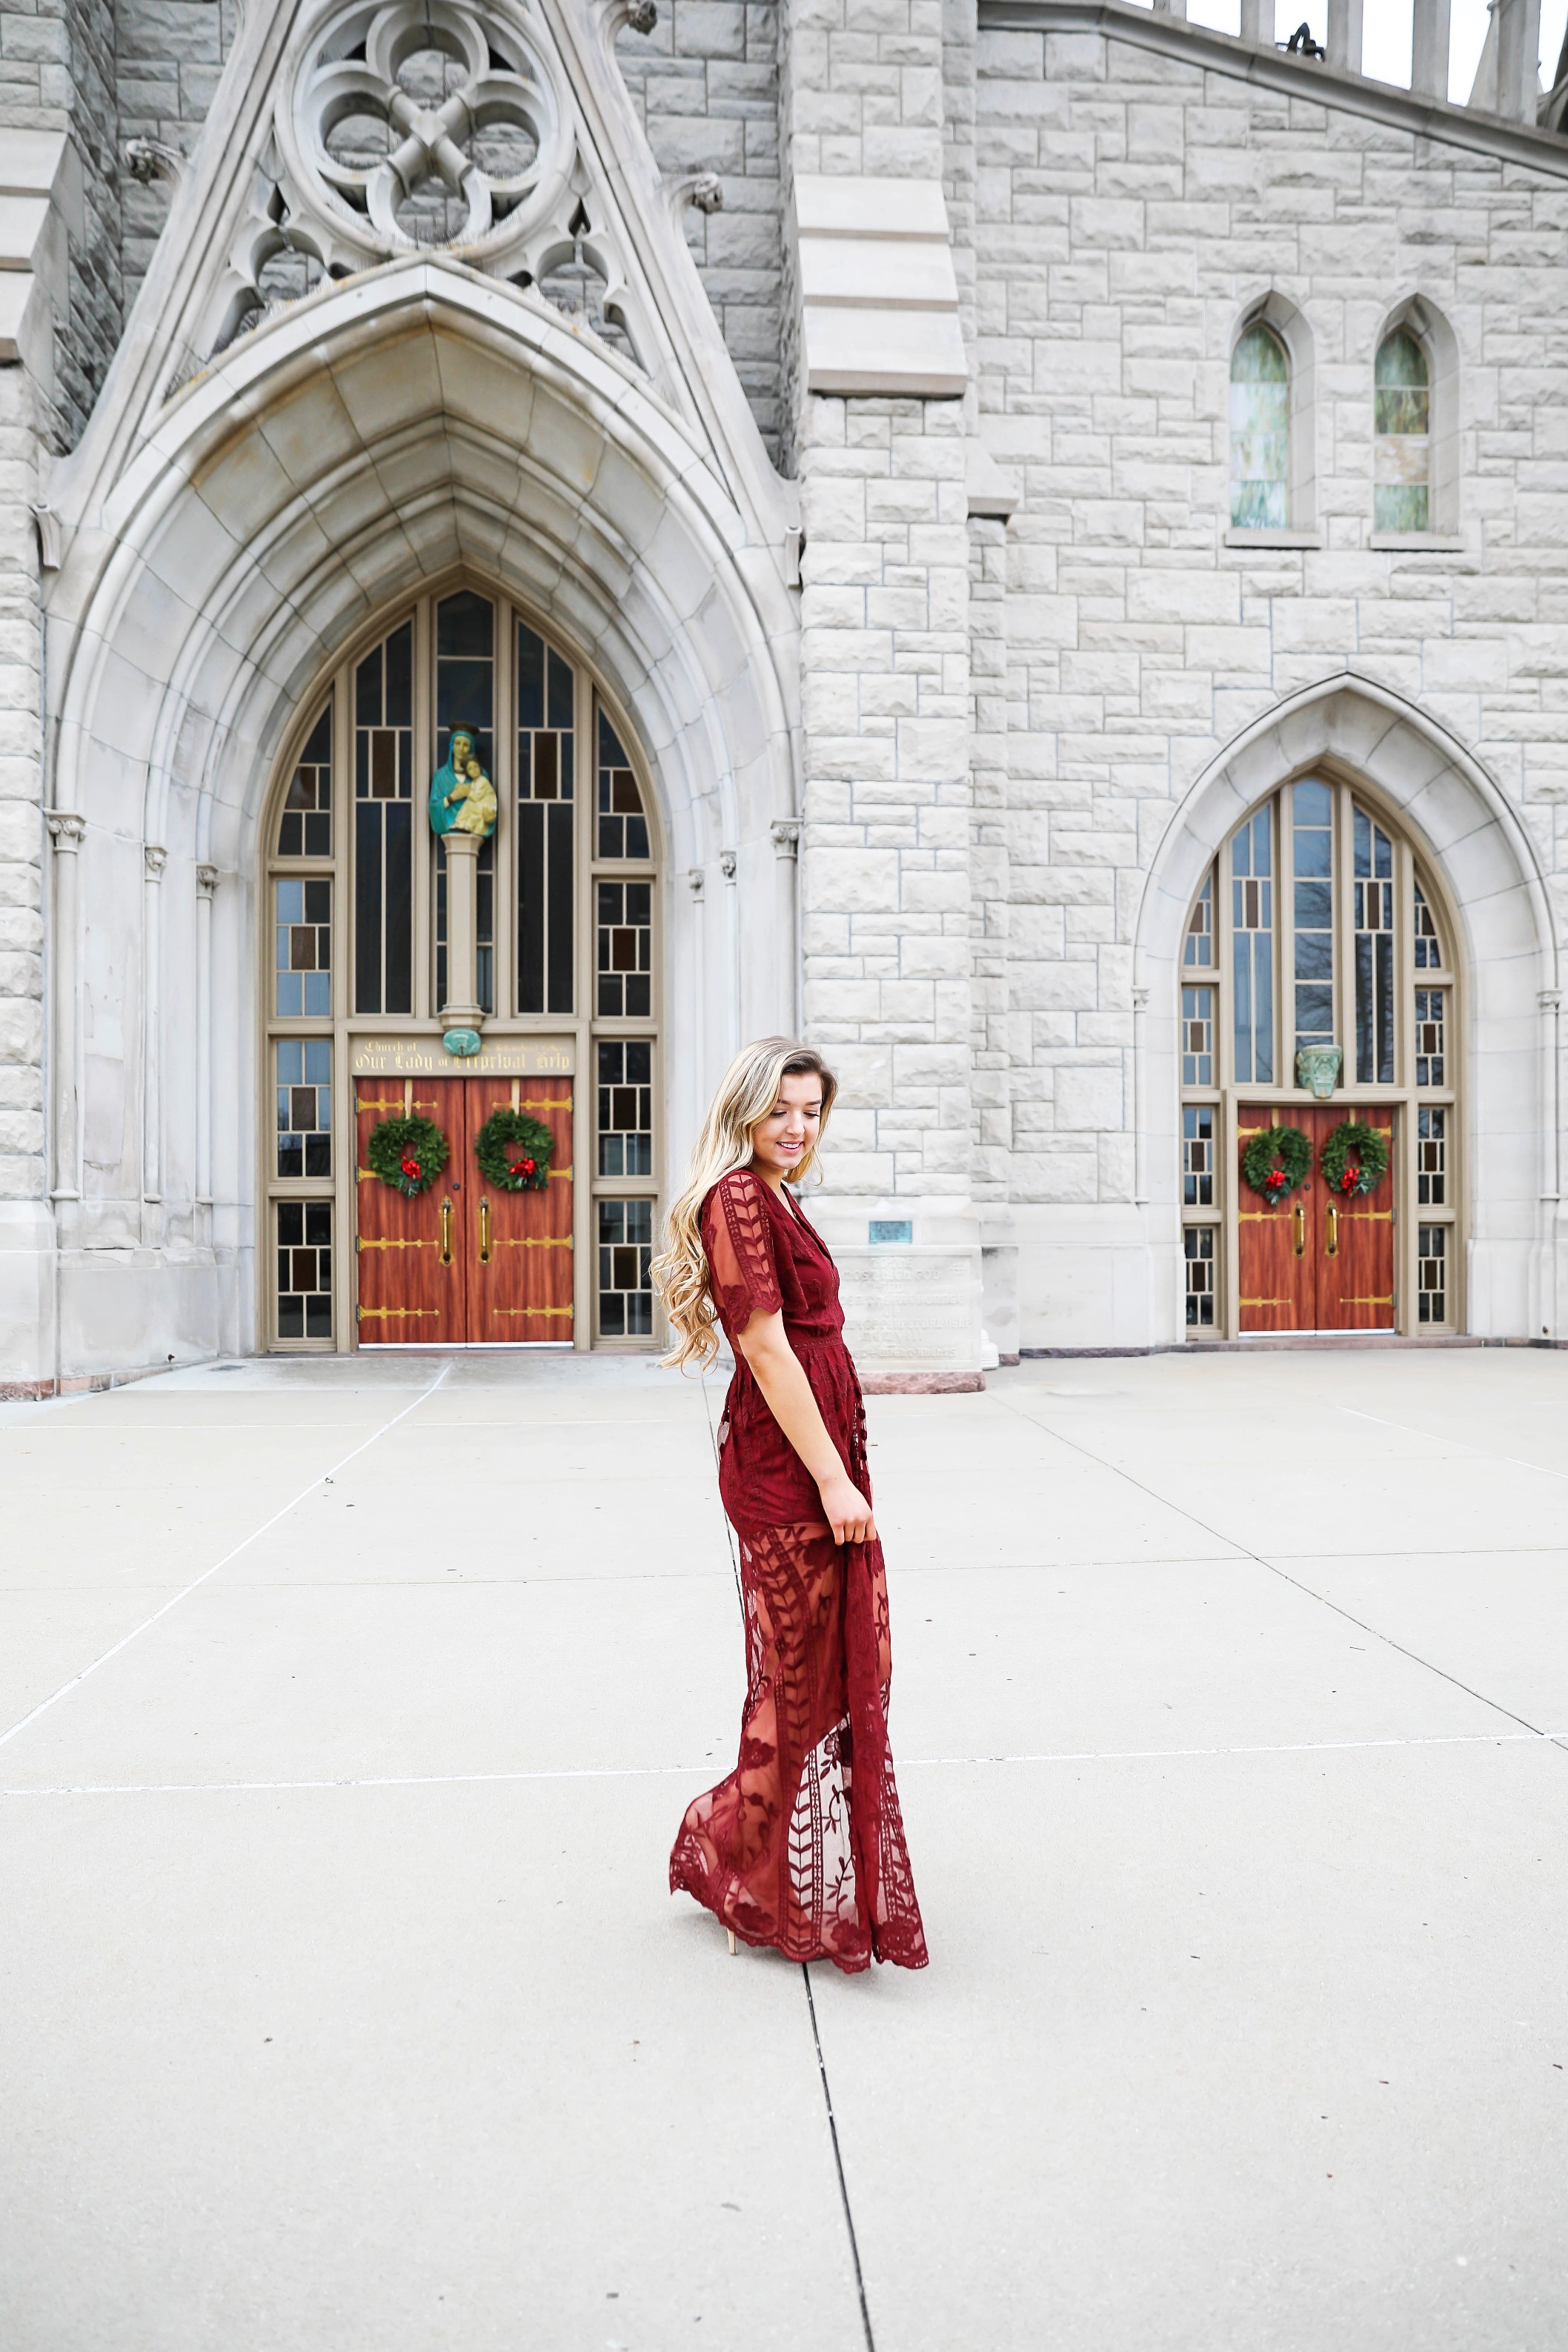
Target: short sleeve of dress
[[738, 1240]]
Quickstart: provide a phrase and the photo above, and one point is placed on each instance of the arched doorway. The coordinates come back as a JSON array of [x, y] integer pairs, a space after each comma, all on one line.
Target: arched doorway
[[1320, 925], [356, 995]]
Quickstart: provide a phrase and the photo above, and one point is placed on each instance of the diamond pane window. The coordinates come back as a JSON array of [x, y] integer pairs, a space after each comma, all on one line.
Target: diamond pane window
[[1197, 1242], [625, 1106], [1312, 844], [305, 827], [1402, 464], [1373, 952], [624, 947], [304, 1269], [1252, 948], [384, 826], [303, 914], [623, 825], [626, 1247], [1428, 946], [1431, 1157], [1431, 1026], [1198, 1156], [545, 707], [1198, 1036], [1259, 433], [304, 1072], [1432, 1274], [1197, 952]]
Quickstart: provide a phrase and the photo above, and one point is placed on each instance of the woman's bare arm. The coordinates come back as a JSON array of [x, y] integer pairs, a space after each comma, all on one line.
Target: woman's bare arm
[[779, 1374]]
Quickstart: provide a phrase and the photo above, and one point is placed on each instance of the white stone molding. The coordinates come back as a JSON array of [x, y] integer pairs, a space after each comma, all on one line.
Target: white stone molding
[[48, 528], [878, 295], [1482, 858], [155, 858], [704, 191], [40, 184], [991, 492], [68, 832], [206, 885]]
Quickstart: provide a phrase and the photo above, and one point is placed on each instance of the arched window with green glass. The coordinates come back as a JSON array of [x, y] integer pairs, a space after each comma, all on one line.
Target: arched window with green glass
[[1260, 431], [1402, 422]]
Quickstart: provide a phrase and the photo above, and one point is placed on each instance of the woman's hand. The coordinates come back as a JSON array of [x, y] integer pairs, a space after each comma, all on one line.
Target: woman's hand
[[846, 1509]]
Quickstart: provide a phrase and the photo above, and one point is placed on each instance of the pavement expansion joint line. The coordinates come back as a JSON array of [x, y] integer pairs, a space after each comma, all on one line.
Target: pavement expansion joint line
[[1409, 1430], [838, 2164], [1272, 1567], [686, 1772], [234, 1552]]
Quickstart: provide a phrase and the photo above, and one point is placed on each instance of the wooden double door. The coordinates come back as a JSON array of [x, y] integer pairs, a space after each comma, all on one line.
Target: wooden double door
[[466, 1264], [1316, 1261]]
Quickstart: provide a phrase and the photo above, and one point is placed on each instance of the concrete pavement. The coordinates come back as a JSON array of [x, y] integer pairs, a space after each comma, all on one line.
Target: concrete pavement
[[343, 2009]]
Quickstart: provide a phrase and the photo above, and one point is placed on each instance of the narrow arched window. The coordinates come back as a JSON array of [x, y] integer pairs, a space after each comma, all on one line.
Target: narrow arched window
[[1260, 433], [1402, 475]]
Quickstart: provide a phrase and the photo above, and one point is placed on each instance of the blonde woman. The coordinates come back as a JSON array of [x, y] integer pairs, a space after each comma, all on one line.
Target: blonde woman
[[802, 1846]]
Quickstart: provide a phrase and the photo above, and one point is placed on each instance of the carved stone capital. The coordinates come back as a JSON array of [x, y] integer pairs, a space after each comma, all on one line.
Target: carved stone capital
[[155, 858], [727, 864], [207, 880], [694, 880], [784, 833], [66, 832]]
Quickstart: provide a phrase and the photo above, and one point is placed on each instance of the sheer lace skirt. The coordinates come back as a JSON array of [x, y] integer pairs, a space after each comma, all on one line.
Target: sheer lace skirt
[[802, 1847]]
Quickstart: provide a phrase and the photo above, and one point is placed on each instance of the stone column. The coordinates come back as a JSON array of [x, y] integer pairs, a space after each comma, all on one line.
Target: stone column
[[462, 1009], [66, 833], [1345, 42], [784, 833], [155, 859], [206, 883], [1429, 49], [1518, 28]]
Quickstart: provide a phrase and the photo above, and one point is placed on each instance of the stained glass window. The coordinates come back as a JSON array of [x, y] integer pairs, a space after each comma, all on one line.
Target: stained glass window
[[1431, 1026], [305, 827], [545, 705], [303, 929], [1432, 1156], [1198, 1156], [1197, 951], [304, 1269], [626, 1247], [383, 839], [464, 699], [1432, 1274], [1402, 475], [1259, 433], [304, 1072], [1252, 955], [1198, 1036], [1428, 946], [625, 1106], [623, 825], [1312, 856], [1373, 952], [624, 947], [1197, 1244]]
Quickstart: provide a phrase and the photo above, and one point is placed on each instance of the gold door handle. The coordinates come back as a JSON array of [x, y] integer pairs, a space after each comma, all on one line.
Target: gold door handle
[[1301, 1230], [484, 1231], [447, 1233], [1333, 1250]]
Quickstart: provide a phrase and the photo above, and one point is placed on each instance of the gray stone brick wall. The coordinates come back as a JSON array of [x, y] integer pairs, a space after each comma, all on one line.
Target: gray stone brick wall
[[57, 73], [21, 819], [1131, 208], [169, 54], [705, 83]]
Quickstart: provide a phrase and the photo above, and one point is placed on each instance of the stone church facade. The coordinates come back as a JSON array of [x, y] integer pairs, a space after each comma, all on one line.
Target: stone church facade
[[1022, 540]]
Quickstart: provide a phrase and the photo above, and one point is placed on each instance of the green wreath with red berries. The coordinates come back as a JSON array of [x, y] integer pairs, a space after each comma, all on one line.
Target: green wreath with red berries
[[513, 1151], [1355, 1157], [407, 1153], [1275, 1160]]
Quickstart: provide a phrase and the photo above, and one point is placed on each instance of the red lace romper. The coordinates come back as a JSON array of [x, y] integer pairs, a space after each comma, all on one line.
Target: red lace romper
[[802, 1846]]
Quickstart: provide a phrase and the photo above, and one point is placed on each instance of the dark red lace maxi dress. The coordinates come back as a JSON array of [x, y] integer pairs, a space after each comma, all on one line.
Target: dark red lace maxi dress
[[802, 1846]]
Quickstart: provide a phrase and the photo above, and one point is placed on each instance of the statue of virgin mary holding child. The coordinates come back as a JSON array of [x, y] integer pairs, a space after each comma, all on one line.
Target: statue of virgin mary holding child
[[462, 797]]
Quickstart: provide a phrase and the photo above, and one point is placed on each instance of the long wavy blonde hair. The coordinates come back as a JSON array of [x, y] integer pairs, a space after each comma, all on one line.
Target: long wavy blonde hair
[[747, 1092]]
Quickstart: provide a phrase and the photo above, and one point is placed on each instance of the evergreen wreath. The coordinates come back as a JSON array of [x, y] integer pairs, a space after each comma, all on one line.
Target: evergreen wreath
[[513, 1151], [1275, 1160], [406, 1153], [1355, 1157]]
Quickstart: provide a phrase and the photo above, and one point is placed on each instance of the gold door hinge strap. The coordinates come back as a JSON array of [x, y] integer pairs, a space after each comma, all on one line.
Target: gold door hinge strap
[[362, 1242], [530, 1310], [534, 1241], [385, 1314]]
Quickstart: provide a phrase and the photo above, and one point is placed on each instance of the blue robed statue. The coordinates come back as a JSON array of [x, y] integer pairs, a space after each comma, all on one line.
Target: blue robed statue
[[462, 797]]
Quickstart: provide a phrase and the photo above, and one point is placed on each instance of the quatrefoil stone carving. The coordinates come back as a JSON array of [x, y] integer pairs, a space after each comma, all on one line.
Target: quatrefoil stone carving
[[423, 124]]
